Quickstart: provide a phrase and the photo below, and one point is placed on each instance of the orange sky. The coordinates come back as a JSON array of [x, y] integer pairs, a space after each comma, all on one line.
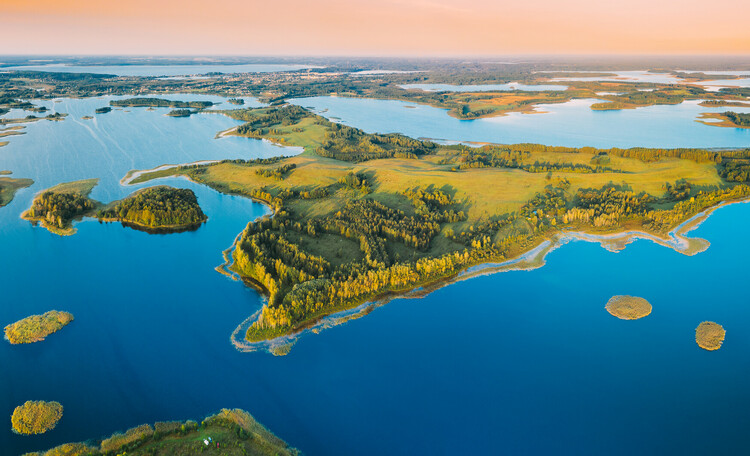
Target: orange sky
[[367, 27]]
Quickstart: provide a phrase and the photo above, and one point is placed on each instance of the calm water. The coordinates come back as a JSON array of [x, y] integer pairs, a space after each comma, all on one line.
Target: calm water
[[484, 87], [159, 70], [524, 362], [571, 124], [623, 76]]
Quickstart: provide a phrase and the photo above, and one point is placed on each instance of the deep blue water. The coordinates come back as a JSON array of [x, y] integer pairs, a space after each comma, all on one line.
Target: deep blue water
[[159, 70], [523, 362], [572, 124]]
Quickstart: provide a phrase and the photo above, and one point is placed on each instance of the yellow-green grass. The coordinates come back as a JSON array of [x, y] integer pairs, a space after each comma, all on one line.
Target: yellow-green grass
[[723, 120], [9, 186], [628, 307], [83, 187], [486, 191], [36, 328], [229, 432], [306, 133], [709, 335], [36, 417]]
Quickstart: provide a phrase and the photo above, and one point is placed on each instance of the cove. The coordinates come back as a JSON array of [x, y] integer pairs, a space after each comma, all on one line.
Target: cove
[[572, 124]]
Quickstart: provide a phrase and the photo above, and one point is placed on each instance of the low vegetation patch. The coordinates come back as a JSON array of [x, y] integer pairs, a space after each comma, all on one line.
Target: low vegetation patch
[[628, 307], [9, 186], [710, 335], [36, 328], [36, 417]]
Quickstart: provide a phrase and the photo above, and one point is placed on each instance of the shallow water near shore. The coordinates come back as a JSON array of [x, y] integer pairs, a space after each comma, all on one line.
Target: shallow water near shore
[[522, 362]]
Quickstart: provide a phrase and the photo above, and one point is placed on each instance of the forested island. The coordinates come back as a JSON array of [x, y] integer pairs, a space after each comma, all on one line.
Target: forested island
[[36, 328], [180, 113], [160, 103], [358, 216], [57, 207], [161, 208], [103, 110], [229, 432]]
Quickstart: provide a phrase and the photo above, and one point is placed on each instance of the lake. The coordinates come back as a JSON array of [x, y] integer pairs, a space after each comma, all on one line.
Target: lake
[[522, 362], [571, 124], [159, 70]]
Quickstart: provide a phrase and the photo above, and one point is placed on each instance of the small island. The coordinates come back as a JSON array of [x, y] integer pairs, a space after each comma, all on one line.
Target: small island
[[180, 113], [709, 335], [723, 104], [236, 101], [36, 328], [726, 119], [156, 209], [229, 432], [9, 186], [57, 207], [103, 110], [36, 417], [628, 307]]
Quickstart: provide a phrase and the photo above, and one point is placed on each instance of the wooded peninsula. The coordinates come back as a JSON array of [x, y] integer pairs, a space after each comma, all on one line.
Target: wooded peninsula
[[359, 217]]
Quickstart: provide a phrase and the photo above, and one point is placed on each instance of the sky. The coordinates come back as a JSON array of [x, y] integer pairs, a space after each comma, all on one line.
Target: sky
[[374, 27]]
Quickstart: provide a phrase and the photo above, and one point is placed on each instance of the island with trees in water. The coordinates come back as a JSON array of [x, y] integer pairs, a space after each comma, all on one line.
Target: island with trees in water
[[159, 209], [360, 217]]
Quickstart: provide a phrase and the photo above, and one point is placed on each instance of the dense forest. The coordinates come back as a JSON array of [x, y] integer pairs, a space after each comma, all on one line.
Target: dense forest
[[180, 113], [58, 210], [160, 103], [742, 120], [157, 207], [352, 144]]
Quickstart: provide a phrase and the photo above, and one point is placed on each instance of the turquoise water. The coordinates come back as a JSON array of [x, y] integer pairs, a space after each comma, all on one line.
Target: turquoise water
[[159, 70], [571, 124], [484, 87], [523, 362]]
